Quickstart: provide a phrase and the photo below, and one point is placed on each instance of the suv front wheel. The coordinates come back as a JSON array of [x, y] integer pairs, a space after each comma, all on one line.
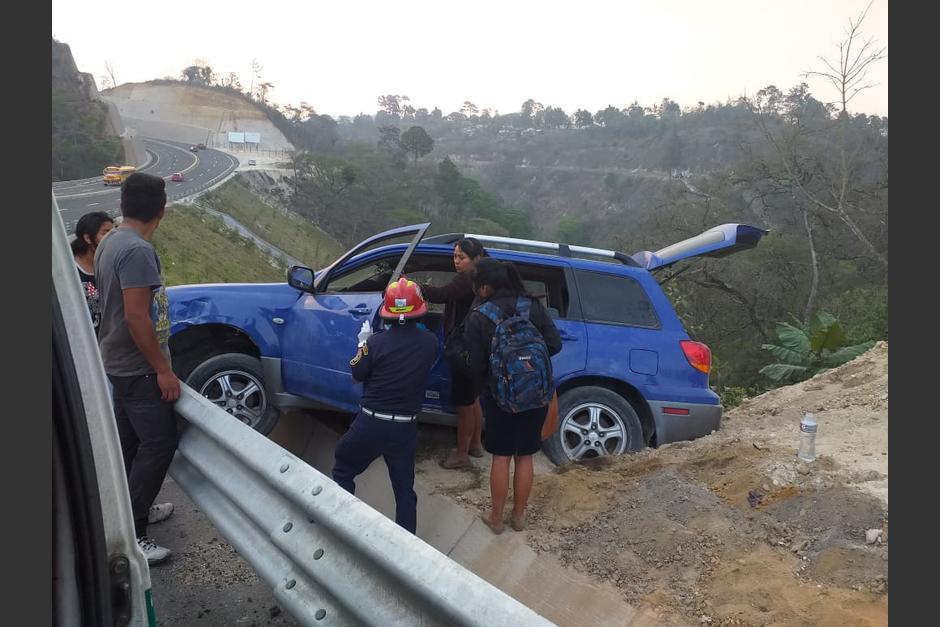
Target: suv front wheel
[[234, 382], [593, 422]]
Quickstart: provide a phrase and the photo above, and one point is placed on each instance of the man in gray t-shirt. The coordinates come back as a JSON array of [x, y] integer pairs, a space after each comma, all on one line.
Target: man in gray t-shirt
[[135, 264], [133, 339]]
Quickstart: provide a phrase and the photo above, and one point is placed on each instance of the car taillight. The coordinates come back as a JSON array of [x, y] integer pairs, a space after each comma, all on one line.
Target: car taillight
[[698, 354]]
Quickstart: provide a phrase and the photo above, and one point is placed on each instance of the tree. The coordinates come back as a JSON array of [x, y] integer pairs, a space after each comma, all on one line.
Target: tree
[[635, 111], [263, 90], [192, 74], [208, 76], [469, 109], [530, 109], [583, 118], [850, 77], [806, 350], [318, 183], [390, 138], [391, 104], [390, 142], [669, 110], [417, 142], [255, 73], [570, 230], [447, 182], [609, 117], [109, 68], [671, 151], [829, 190], [233, 81], [555, 117], [320, 130], [301, 113]]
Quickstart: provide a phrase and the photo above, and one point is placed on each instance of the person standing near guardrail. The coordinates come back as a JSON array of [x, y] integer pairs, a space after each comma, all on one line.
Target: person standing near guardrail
[[89, 231], [393, 367], [133, 340]]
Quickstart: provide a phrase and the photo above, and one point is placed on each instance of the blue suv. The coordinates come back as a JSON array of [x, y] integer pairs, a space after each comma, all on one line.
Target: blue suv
[[628, 375]]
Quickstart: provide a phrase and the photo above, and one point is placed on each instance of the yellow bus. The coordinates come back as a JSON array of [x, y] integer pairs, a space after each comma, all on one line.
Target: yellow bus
[[115, 175]]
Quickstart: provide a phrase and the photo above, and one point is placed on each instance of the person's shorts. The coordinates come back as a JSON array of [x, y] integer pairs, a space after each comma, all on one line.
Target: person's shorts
[[464, 389], [508, 434]]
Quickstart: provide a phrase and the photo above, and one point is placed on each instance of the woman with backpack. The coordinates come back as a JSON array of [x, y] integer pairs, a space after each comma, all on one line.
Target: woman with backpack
[[458, 297], [509, 340]]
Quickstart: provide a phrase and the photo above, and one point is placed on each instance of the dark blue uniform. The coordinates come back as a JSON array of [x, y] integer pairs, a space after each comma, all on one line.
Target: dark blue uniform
[[393, 367]]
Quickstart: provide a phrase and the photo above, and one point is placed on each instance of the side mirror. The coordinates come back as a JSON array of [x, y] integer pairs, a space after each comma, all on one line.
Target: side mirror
[[301, 278]]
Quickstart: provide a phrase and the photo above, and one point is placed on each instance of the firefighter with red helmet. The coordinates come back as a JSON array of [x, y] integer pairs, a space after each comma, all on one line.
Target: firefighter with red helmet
[[393, 367]]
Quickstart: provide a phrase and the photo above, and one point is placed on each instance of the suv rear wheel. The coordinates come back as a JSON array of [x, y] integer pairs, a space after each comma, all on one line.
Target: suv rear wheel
[[593, 422], [234, 382]]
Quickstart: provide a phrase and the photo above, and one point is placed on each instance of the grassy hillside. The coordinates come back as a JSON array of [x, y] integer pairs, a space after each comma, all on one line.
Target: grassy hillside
[[291, 233], [195, 247]]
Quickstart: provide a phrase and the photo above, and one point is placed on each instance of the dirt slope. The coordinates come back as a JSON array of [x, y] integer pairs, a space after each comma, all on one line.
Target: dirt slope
[[191, 113], [732, 529]]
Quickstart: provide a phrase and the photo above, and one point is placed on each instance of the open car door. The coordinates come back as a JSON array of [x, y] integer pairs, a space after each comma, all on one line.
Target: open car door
[[418, 230], [718, 241], [320, 337]]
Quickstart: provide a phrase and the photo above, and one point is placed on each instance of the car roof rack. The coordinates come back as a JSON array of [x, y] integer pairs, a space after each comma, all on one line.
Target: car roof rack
[[561, 250]]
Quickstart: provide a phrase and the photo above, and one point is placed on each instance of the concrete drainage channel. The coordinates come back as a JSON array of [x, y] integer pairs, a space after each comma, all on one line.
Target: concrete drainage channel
[[560, 594]]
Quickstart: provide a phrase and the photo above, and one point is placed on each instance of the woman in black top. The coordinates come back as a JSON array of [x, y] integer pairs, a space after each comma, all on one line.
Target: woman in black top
[[89, 231], [458, 297], [509, 436]]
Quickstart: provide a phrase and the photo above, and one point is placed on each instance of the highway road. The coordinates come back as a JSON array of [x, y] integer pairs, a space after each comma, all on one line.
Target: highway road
[[200, 170]]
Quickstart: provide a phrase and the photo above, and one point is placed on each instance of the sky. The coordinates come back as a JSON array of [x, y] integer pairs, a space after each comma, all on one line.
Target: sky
[[340, 55]]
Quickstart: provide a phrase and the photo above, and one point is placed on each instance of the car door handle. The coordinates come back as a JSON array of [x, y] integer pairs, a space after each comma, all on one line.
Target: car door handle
[[567, 337], [360, 311]]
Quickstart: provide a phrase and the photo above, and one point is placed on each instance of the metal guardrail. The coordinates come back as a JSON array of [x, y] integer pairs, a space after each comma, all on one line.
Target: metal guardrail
[[330, 558]]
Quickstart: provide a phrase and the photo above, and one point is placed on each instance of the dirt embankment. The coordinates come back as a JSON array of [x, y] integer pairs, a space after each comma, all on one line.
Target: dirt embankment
[[732, 529], [192, 114]]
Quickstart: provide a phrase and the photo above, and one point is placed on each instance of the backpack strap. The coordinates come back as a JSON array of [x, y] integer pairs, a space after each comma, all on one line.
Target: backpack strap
[[491, 311], [524, 307]]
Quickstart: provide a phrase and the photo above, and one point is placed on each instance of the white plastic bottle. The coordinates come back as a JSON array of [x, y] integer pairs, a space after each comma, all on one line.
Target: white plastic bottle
[[808, 426]]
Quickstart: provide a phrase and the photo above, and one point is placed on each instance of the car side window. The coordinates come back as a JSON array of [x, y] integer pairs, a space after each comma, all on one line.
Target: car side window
[[370, 277], [612, 299], [548, 284]]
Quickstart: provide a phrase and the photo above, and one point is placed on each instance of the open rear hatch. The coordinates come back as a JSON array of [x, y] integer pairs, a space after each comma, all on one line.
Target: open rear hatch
[[719, 241]]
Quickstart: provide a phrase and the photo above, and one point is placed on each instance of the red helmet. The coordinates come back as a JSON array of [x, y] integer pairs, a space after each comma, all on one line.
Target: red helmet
[[403, 300]]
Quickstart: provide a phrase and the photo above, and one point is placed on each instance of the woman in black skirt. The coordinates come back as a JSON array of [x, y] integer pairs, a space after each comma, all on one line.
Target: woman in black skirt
[[458, 298], [509, 437]]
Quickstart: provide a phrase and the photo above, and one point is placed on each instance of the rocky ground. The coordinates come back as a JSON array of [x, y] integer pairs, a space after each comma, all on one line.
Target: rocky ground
[[732, 529]]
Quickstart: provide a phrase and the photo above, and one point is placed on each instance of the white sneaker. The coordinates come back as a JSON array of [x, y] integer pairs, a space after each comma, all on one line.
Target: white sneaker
[[159, 512], [154, 553]]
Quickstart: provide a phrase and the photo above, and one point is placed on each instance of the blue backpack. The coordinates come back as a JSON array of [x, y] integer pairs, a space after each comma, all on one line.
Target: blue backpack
[[520, 366]]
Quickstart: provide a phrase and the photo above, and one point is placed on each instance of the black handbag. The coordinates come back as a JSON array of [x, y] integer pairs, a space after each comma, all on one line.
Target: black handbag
[[455, 351]]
